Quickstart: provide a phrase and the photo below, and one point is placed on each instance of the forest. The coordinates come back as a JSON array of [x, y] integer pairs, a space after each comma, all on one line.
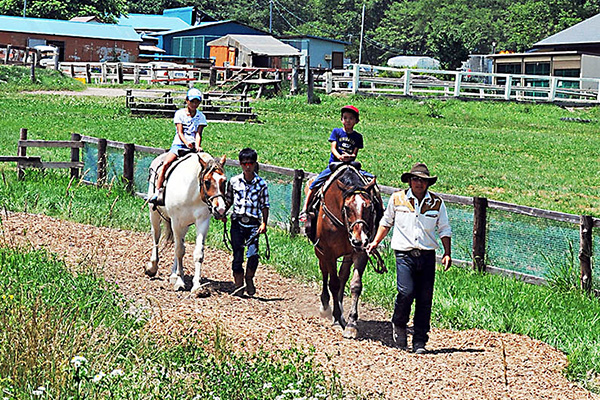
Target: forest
[[448, 30]]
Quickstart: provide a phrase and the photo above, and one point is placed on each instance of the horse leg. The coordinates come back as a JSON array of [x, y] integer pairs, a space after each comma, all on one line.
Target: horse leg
[[360, 262], [152, 267], [325, 310], [330, 266], [201, 230], [176, 278]]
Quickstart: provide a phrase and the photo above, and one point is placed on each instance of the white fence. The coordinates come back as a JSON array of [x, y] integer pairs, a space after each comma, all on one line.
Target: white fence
[[440, 83]]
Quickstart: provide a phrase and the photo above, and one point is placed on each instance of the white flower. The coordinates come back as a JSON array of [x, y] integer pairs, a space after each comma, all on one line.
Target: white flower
[[99, 377], [39, 391], [78, 361], [117, 372], [267, 385], [292, 391]]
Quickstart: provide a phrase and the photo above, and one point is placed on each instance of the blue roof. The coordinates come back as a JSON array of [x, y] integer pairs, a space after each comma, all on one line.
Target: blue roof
[[152, 22], [205, 25], [57, 27]]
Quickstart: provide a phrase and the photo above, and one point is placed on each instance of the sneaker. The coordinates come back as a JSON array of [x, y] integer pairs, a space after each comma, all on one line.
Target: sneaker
[[399, 336], [419, 348], [158, 199], [302, 217]]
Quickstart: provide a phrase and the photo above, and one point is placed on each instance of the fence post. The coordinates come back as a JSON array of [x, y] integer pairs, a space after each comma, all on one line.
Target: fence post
[[102, 143], [21, 152], [328, 82], [76, 137], [355, 79], [120, 72], [294, 85], [104, 69], [72, 71], [128, 97], [585, 251], [508, 87], [479, 232], [310, 92], [457, 83], [129, 166], [32, 74], [212, 77], [136, 74], [552, 92], [407, 82], [88, 73], [296, 201]]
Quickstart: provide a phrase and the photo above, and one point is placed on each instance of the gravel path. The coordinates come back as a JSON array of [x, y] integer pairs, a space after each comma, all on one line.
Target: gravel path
[[471, 364]]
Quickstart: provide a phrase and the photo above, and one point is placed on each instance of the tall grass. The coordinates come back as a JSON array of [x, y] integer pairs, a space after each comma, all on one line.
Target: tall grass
[[65, 335]]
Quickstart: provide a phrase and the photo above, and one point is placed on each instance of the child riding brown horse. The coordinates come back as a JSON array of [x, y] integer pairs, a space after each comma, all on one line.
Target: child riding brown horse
[[349, 213]]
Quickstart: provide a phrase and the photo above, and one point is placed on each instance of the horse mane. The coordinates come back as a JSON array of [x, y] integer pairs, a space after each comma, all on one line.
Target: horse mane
[[352, 180]]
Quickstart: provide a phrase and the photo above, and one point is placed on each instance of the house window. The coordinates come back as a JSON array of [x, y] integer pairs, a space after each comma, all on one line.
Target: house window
[[568, 73], [538, 68], [514, 68]]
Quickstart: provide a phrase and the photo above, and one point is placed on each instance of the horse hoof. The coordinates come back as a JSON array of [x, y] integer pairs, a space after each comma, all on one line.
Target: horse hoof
[[200, 291], [173, 279], [350, 332], [151, 270], [179, 284], [325, 313]]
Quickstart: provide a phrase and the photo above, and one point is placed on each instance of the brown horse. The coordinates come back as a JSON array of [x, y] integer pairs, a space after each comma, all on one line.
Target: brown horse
[[347, 220]]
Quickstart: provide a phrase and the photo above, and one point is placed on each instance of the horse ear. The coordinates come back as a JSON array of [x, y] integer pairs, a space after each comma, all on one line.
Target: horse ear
[[202, 162], [223, 159]]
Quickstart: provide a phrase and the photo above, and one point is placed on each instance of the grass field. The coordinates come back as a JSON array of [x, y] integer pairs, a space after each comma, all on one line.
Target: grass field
[[520, 153]]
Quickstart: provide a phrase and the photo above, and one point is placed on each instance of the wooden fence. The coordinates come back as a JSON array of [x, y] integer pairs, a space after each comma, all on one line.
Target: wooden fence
[[367, 79], [480, 205]]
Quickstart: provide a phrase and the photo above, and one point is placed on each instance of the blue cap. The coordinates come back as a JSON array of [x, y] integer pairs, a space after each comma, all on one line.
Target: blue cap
[[194, 93]]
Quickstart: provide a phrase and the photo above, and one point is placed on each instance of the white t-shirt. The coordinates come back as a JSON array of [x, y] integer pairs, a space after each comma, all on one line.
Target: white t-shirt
[[190, 125]]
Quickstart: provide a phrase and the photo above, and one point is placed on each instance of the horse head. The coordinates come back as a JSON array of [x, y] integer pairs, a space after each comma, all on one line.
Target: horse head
[[358, 213], [212, 182]]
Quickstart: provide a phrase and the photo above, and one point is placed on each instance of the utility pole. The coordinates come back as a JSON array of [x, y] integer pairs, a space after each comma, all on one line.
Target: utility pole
[[271, 16], [362, 30], [24, 7]]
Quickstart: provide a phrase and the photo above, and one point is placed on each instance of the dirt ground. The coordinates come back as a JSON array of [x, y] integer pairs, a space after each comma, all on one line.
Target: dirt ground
[[471, 364]]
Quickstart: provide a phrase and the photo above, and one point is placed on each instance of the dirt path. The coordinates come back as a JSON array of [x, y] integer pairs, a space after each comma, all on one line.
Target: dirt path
[[470, 364]]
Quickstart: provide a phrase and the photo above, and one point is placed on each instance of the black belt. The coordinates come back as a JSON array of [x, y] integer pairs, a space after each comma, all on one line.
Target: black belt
[[244, 219], [415, 252]]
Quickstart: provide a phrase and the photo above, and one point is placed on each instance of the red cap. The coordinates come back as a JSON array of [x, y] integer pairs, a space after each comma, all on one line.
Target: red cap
[[352, 109]]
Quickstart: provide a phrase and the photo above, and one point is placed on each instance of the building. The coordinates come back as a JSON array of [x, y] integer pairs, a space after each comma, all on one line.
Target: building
[[573, 52], [76, 41], [261, 51], [322, 52], [191, 43]]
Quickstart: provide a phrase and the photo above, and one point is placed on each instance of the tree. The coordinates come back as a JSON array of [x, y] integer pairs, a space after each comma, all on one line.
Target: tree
[[105, 10]]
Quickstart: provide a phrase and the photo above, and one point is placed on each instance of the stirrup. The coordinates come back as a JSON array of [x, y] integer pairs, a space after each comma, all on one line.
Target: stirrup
[[158, 199]]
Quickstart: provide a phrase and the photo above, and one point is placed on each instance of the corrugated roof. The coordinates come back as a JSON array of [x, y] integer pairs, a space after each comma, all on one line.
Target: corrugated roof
[[314, 37], [204, 25], [587, 31], [261, 45], [68, 28], [152, 22]]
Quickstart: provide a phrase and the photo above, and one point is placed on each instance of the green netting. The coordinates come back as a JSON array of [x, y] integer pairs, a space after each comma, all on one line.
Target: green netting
[[528, 244], [515, 242]]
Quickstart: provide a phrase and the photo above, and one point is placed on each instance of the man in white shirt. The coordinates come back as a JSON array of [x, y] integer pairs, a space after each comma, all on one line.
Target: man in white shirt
[[415, 214]]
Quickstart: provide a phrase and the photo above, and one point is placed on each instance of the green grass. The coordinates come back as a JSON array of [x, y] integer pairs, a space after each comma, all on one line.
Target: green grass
[[50, 318], [519, 153], [15, 79]]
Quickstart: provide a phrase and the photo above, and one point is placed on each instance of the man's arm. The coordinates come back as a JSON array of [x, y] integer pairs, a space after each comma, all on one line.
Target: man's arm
[[447, 257]]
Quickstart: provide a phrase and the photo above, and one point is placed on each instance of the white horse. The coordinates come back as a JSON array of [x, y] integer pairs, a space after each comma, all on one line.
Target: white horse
[[194, 190]]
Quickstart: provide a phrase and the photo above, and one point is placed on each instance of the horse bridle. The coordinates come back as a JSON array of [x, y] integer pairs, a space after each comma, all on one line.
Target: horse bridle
[[336, 221], [203, 190]]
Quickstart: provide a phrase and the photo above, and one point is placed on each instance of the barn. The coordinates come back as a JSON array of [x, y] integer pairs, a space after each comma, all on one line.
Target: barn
[[261, 51], [77, 41], [321, 52], [192, 42]]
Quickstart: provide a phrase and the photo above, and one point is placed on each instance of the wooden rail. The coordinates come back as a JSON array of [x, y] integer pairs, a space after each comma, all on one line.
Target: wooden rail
[[215, 106], [480, 205]]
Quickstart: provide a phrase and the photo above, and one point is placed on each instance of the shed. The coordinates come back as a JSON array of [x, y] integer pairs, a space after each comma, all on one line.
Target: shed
[[77, 41], [322, 52], [192, 42], [419, 62], [252, 51]]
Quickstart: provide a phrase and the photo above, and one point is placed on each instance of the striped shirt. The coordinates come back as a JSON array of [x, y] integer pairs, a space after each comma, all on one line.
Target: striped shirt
[[248, 198]]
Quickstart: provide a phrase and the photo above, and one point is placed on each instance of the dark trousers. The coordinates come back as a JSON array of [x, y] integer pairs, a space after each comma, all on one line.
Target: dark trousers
[[415, 277], [240, 233]]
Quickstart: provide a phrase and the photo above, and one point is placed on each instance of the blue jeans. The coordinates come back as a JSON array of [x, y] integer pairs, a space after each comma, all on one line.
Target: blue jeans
[[415, 277], [240, 233]]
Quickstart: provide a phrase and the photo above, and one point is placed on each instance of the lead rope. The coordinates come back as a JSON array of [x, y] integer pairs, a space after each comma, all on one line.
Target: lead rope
[[226, 238]]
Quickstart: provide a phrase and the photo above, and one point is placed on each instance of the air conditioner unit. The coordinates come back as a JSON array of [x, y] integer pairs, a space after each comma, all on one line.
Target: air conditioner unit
[[327, 57]]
